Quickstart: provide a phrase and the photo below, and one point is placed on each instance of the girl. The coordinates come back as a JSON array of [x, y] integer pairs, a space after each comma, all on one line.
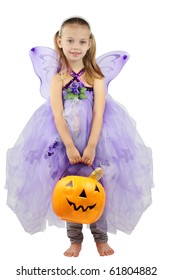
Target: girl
[[79, 124], [76, 47]]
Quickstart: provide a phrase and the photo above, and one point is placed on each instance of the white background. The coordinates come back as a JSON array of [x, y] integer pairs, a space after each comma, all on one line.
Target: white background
[[144, 87]]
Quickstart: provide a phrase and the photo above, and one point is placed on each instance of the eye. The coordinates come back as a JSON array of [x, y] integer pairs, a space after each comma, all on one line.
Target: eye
[[83, 42], [70, 41], [70, 184], [96, 189]]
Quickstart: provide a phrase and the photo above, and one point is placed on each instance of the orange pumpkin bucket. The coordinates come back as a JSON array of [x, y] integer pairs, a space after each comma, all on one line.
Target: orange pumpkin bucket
[[79, 199]]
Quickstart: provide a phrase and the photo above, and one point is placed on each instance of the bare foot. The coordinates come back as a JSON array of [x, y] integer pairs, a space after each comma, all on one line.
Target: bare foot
[[104, 249], [73, 250]]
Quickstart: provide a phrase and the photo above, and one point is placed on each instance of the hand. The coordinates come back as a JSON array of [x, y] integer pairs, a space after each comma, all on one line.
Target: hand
[[88, 155], [73, 155]]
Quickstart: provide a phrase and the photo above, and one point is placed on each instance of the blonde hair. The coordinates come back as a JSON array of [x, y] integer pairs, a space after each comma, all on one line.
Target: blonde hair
[[92, 70]]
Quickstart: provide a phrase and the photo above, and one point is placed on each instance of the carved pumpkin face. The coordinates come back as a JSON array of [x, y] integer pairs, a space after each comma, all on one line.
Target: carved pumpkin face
[[78, 199]]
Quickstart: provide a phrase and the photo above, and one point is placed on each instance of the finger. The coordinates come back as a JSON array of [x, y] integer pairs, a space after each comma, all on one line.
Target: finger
[[75, 160], [89, 162], [72, 161], [83, 159], [78, 159]]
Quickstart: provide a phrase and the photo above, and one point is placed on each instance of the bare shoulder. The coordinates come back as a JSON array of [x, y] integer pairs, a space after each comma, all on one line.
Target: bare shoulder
[[99, 82], [56, 80], [99, 85]]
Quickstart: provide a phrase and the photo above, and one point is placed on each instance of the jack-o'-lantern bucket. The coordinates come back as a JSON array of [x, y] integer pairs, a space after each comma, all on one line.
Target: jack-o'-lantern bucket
[[79, 199]]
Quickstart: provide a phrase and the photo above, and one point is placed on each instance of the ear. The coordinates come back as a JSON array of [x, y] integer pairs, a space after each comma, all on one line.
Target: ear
[[90, 43], [97, 173], [58, 40]]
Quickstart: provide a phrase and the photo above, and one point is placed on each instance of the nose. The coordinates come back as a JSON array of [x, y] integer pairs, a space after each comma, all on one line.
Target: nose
[[76, 47]]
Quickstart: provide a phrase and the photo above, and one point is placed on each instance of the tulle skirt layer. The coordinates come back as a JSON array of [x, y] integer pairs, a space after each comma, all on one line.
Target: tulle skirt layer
[[38, 160], [128, 170]]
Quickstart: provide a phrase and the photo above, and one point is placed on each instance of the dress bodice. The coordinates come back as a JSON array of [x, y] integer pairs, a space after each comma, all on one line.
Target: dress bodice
[[76, 89], [76, 77]]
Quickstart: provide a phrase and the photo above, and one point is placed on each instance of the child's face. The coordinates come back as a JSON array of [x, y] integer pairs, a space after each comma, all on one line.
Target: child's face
[[75, 41]]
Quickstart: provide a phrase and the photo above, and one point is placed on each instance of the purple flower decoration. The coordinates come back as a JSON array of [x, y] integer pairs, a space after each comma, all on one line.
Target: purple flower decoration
[[76, 90], [51, 149]]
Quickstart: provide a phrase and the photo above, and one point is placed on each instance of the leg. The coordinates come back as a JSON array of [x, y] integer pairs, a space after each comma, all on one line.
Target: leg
[[101, 239], [74, 232]]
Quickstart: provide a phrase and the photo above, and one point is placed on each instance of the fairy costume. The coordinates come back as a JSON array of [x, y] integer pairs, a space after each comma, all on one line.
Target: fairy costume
[[38, 159]]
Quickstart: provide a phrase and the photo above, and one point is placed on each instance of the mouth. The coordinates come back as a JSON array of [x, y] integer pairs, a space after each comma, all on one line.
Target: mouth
[[75, 53], [80, 206]]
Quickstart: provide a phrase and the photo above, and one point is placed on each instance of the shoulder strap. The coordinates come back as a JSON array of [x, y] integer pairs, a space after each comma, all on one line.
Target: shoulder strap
[[76, 76]]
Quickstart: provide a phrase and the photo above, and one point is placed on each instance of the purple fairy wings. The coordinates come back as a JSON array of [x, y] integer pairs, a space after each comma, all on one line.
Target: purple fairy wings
[[111, 64], [46, 64]]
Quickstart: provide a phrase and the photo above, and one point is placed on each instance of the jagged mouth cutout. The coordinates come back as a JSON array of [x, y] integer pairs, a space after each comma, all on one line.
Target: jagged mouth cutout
[[80, 206], [83, 195]]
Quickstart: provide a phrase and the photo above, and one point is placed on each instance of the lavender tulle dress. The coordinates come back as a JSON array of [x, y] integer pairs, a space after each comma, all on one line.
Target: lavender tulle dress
[[38, 158]]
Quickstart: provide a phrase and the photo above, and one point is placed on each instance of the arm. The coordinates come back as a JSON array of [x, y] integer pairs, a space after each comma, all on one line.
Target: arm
[[98, 111], [61, 125]]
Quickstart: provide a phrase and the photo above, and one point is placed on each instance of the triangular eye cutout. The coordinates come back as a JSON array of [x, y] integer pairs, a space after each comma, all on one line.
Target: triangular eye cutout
[[97, 189], [70, 184]]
